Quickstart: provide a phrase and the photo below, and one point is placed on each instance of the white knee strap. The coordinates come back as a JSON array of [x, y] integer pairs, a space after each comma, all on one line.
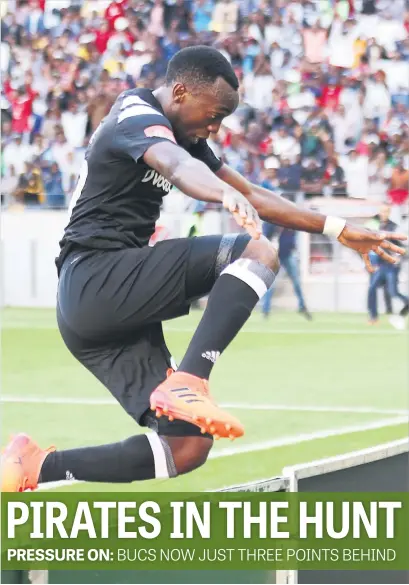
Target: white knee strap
[[162, 455]]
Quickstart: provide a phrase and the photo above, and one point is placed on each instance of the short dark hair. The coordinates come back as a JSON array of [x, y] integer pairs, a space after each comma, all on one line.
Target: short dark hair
[[199, 65]]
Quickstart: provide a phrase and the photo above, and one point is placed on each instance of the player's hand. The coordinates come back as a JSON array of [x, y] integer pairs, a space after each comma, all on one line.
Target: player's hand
[[364, 241], [243, 212]]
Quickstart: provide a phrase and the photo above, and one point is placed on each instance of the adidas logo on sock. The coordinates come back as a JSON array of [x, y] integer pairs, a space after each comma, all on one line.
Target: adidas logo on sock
[[68, 475], [211, 355]]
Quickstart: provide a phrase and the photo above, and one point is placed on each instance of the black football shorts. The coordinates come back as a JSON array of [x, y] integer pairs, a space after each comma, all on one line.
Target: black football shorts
[[111, 305]]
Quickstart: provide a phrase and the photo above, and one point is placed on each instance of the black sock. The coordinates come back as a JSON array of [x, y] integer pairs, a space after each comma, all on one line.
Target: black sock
[[230, 304], [122, 462]]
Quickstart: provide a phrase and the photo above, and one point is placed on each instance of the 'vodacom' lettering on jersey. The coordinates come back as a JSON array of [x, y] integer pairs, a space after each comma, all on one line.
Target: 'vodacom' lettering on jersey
[[158, 180]]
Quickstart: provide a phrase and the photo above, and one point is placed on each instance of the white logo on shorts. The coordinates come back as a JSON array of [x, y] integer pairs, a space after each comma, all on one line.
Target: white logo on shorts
[[211, 355]]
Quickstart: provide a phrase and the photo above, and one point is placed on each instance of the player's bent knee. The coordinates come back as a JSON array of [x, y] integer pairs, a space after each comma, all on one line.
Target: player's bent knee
[[263, 251], [189, 453]]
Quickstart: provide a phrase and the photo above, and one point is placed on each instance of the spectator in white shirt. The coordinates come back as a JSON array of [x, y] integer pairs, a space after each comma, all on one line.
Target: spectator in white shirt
[[137, 59], [285, 145], [379, 174], [377, 98], [70, 174], [346, 124], [9, 185], [356, 174], [259, 84], [60, 151], [4, 57], [74, 123], [16, 154]]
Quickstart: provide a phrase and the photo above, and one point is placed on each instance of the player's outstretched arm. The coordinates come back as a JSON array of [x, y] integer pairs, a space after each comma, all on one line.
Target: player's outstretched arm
[[196, 180], [275, 209]]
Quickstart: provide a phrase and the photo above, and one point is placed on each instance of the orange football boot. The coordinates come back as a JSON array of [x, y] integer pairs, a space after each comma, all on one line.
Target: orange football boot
[[21, 463], [186, 397]]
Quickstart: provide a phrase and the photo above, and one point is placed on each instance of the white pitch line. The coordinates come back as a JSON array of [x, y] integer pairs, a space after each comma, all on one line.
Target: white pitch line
[[294, 408], [231, 405], [274, 443], [299, 331], [254, 329], [305, 437]]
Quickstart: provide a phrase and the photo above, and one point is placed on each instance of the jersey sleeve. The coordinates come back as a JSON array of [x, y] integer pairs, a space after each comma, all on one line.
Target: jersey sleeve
[[203, 152], [139, 126]]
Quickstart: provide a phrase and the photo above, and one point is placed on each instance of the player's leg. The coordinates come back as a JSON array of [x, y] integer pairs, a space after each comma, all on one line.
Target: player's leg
[[244, 279], [149, 456], [130, 372], [247, 269]]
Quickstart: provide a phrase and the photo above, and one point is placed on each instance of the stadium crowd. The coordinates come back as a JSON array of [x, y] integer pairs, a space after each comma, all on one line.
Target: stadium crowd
[[324, 88]]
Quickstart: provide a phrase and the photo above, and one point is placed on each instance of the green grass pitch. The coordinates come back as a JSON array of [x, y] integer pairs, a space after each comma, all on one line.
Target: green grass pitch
[[303, 391]]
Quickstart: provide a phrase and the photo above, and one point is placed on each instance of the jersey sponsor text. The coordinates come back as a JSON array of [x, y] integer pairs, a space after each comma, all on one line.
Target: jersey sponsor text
[[157, 180]]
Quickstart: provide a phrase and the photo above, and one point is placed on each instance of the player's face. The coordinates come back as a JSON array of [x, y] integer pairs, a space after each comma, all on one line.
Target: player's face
[[197, 115]]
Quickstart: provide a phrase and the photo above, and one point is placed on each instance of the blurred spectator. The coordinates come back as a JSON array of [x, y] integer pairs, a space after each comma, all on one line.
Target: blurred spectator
[[399, 183], [115, 10], [379, 175], [259, 83], [312, 178], [60, 151], [17, 154], [314, 39], [235, 152], [30, 188], [356, 175], [269, 178], [156, 25], [54, 190], [287, 252], [225, 16], [389, 274], [70, 173], [285, 145], [202, 15], [334, 177], [34, 23], [74, 123], [21, 100], [9, 184], [377, 98], [289, 176]]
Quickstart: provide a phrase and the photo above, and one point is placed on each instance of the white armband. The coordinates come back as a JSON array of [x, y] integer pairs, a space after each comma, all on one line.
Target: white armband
[[333, 226]]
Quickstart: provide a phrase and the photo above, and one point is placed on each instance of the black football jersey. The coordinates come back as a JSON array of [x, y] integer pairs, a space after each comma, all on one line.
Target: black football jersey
[[118, 197]]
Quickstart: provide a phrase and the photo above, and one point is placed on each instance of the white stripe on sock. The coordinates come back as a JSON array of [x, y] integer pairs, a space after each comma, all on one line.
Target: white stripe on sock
[[240, 270], [159, 456]]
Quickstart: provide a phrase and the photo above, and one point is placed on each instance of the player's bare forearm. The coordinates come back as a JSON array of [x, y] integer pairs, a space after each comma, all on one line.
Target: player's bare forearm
[[273, 208], [195, 179], [186, 173]]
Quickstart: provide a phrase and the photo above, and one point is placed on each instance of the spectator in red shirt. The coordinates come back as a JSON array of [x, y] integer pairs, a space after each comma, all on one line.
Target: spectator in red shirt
[[21, 101], [115, 10], [102, 37], [330, 95], [40, 3]]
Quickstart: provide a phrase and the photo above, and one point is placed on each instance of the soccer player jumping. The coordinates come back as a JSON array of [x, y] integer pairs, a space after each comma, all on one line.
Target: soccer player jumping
[[115, 291]]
